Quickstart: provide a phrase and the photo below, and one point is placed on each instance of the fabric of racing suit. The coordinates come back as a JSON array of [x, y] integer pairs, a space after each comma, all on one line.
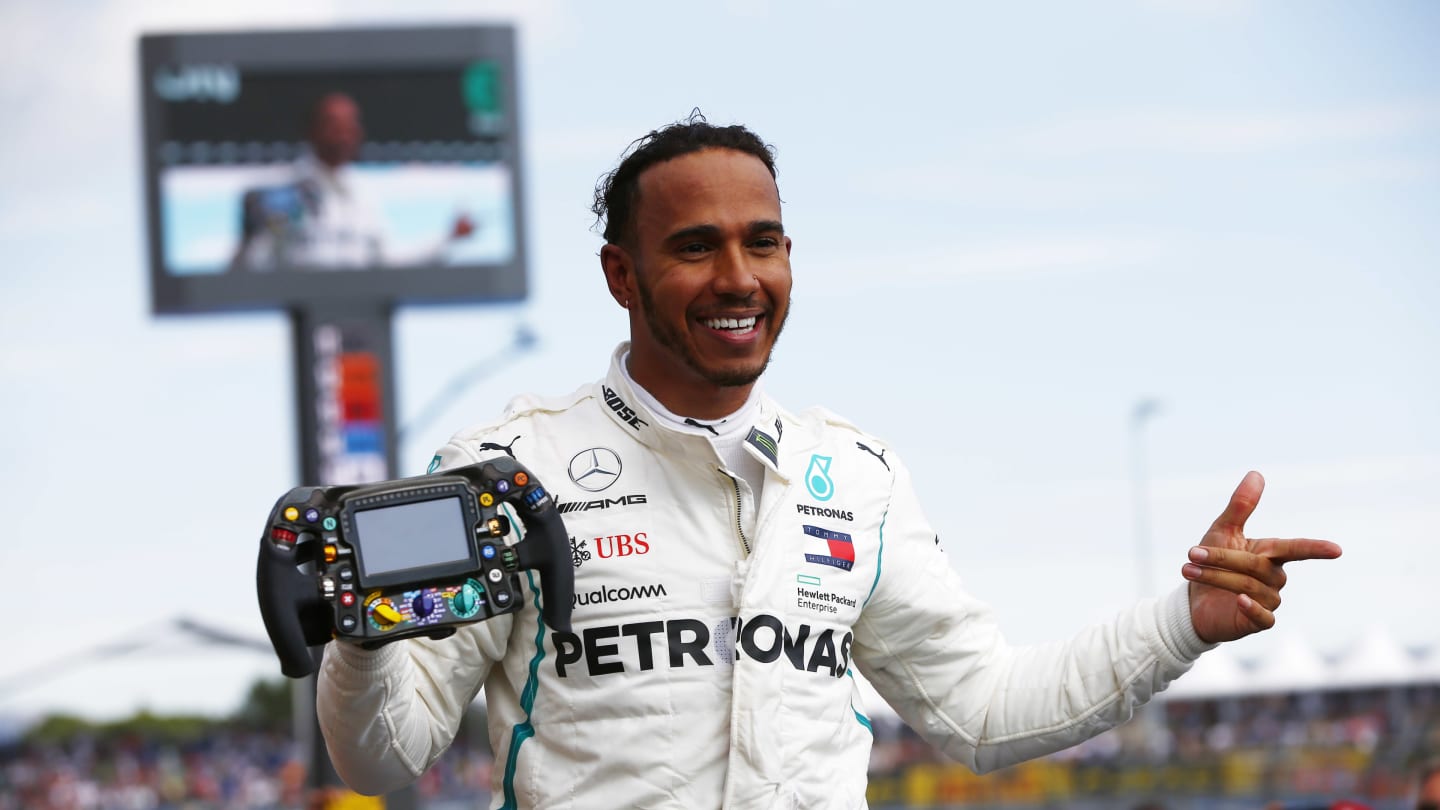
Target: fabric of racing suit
[[712, 668]]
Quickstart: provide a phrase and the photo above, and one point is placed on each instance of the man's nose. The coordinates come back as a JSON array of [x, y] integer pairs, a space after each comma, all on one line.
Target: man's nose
[[735, 273]]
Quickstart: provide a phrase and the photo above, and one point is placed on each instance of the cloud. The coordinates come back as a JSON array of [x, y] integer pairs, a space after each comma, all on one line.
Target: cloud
[[1062, 165], [542, 24], [58, 213], [1040, 254], [1377, 471], [1020, 187], [1371, 471], [1229, 9], [751, 9], [1376, 169], [1192, 132], [581, 144], [247, 338]]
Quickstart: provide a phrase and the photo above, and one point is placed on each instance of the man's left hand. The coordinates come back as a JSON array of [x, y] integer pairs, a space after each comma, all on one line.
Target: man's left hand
[[1235, 582]]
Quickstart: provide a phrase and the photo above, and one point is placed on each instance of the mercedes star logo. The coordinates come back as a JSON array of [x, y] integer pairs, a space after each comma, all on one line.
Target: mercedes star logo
[[595, 469]]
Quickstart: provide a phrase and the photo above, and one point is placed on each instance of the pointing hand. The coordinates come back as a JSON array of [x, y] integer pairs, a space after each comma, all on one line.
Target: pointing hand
[[1235, 581]]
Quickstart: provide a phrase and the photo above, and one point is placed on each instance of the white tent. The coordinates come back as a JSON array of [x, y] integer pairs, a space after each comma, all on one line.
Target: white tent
[[1427, 669], [1290, 665], [1217, 674], [1375, 659]]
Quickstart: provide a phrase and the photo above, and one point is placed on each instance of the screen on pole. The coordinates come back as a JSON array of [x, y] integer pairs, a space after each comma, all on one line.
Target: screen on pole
[[289, 167]]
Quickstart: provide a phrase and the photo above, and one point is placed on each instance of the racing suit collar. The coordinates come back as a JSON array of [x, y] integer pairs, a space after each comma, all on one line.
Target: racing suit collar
[[337, 180], [731, 425], [628, 410]]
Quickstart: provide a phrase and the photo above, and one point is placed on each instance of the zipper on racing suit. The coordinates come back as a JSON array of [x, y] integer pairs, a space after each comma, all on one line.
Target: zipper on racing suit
[[739, 526]]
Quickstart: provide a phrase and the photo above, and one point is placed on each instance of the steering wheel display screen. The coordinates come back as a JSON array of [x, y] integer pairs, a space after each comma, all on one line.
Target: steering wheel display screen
[[412, 535]]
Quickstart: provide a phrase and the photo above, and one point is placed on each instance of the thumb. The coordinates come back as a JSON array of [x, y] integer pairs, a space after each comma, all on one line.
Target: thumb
[[1242, 504]]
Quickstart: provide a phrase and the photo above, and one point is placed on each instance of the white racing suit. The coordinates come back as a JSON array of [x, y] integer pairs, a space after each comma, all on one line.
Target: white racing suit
[[711, 667]]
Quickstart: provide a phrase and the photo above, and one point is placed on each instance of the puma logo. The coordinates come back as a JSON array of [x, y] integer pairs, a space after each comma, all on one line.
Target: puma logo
[[880, 455], [508, 451]]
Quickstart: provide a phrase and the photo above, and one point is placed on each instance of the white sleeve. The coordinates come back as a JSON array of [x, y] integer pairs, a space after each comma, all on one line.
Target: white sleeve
[[935, 653], [387, 714]]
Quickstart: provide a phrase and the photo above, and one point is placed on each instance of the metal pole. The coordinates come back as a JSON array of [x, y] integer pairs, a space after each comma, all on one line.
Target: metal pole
[[525, 339], [345, 389], [1144, 410], [1150, 718]]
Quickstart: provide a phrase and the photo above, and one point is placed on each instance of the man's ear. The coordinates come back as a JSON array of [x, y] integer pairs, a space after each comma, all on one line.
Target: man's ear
[[619, 271]]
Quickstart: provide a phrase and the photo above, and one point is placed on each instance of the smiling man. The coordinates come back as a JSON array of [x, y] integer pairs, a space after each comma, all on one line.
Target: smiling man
[[707, 260], [735, 562]]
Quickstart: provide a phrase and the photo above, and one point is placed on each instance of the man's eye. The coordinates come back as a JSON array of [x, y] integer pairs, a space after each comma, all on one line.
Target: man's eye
[[694, 247], [766, 242]]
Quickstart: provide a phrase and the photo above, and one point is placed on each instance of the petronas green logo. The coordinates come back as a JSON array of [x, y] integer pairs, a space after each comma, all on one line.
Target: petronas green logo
[[817, 478], [434, 464]]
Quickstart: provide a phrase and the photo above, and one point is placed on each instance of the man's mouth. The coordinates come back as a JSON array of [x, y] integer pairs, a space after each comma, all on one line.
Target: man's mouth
[[733, 326]]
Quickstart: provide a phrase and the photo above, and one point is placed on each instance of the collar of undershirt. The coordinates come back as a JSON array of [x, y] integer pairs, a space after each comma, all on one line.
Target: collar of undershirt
[[723, 428], [336, 180]]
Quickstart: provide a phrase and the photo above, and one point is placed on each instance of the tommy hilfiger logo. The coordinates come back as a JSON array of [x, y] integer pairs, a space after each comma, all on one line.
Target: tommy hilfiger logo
[[839, 544]]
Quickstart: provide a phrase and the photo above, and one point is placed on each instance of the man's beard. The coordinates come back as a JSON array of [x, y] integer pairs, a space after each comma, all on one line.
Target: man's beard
[[670, 339]]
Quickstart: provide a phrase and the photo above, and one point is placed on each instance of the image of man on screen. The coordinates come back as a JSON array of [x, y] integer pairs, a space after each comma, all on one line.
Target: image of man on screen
[[322, 219]]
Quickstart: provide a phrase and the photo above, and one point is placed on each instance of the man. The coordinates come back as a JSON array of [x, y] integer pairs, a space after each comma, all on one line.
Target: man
[[1427, 796], [321, 219], [733, 560]]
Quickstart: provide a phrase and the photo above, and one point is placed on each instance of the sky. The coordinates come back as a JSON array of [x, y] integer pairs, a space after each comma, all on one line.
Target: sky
[[1012, 224]]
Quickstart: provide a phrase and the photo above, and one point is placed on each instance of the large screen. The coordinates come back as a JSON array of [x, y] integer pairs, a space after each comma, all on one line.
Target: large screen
[[287, 167]]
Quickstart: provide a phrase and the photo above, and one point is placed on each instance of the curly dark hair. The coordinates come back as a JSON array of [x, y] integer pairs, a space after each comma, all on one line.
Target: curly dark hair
[[616, 193]]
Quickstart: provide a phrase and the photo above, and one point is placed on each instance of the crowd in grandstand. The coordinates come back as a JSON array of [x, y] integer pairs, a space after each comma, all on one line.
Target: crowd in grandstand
[[1362, 744], [129, 773]]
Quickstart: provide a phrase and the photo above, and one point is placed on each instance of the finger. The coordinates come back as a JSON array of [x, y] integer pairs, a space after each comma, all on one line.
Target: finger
[[1300, 548], [1242, 503], [1242, 584], [1256, 612], [1256, 565]]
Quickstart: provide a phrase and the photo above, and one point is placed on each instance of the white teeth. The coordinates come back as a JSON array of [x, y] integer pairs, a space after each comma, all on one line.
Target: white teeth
[[736, 324]]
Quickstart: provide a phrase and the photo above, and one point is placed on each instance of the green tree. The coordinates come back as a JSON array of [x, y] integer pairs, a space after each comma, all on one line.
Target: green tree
[[268, 706]]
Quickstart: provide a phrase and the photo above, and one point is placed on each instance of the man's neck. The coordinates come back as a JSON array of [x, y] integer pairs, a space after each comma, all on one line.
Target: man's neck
[[698, 399], [690, 395], [323, 170]]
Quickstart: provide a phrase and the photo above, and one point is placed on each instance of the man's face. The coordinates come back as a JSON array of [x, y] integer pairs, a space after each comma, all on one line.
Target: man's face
[[335, 131], [711, 272], [1430, 791]]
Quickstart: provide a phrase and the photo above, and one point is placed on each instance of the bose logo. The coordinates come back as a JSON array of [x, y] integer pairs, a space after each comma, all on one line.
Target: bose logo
[[625, 412]]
